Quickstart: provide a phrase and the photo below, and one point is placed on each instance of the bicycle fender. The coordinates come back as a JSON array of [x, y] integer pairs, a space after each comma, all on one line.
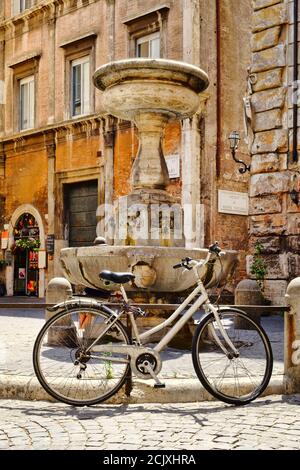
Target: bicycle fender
[[80, 302]]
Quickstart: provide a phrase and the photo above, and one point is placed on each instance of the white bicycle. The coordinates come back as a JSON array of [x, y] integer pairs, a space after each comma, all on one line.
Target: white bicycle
[[83, 354]]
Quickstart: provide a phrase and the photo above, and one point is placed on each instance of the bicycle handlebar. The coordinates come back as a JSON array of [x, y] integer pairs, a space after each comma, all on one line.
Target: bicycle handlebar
[[185, 262]]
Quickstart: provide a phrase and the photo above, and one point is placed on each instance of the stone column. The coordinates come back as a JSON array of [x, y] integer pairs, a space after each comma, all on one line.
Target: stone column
[[2, 163], [193, 228], [2, 88], [292, 338], [191, 31], [52, 57], [106, 227], [191, 190], [51, 154], [111, 27]]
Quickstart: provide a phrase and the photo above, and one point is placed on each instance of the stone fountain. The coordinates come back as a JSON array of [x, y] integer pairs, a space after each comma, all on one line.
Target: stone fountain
[[149, 234]]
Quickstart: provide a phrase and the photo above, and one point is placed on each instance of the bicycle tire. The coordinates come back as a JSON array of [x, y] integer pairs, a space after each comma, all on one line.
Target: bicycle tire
[[57, 354], [223, 382]]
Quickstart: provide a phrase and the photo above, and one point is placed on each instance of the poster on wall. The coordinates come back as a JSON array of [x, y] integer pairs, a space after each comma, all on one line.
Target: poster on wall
[[173, 164], [22, 273], [4, 240]]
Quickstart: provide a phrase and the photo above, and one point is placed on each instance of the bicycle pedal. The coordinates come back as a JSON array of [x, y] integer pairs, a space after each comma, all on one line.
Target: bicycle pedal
[[159, 385]]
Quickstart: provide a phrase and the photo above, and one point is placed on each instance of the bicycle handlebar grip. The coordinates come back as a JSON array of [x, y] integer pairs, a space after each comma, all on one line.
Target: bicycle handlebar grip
[[176, 266]]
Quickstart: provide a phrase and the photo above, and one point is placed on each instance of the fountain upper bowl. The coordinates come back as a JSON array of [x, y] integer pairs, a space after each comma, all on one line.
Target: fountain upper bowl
[[160, 86]]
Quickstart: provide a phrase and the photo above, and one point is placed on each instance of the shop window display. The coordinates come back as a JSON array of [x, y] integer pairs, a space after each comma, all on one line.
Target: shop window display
[[25, 249]]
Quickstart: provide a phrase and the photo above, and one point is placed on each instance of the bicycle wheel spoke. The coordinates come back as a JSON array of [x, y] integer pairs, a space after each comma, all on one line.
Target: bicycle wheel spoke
[[231, 378], [65, 366]]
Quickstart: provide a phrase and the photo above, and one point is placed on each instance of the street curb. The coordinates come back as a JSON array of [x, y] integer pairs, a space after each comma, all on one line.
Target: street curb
[[176, 391]]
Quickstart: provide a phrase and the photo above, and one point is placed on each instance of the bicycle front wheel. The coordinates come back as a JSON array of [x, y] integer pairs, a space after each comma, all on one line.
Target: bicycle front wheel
[[234, 380], [66, 361]]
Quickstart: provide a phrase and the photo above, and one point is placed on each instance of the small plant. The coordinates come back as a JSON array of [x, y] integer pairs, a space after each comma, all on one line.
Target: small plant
[[27, 244], [2, 263], [108, 367], [259, 267]]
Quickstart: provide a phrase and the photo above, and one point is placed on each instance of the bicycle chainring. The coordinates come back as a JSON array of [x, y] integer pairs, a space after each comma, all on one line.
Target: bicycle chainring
[[139, 365]]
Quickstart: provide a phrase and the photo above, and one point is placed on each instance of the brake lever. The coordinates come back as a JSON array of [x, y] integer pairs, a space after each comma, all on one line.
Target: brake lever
[[186, 264]]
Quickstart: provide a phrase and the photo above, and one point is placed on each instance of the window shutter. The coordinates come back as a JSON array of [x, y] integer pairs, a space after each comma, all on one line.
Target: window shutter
[[27, 103], [76, 90], [15, 7], [86, 87], [31, 103], [23, 95], [155, 48]]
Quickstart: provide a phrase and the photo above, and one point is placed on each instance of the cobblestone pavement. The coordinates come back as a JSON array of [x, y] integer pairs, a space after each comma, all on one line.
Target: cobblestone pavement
[[272, 423], [19, 328]]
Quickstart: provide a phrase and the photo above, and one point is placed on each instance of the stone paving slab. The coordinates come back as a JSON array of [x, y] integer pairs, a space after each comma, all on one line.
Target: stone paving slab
[[266, 424], [19, 328]]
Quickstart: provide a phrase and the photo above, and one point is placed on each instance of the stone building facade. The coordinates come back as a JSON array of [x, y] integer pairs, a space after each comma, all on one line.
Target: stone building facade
[[274, 216], [60, 151]]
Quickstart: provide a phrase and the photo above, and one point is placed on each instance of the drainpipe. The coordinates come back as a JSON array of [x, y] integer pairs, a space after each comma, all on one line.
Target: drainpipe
[[218, 88], [295, 84]]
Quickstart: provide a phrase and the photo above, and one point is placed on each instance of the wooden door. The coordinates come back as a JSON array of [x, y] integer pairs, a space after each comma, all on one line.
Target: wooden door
[[81, 202]]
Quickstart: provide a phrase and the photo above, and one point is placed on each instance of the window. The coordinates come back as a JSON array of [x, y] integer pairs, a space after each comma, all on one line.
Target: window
[[147, 33], [21, 5], [27, 102], [80, 86], [148, 46]]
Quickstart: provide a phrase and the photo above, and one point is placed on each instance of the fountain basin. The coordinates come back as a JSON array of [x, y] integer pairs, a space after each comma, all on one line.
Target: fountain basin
[[153, 267]]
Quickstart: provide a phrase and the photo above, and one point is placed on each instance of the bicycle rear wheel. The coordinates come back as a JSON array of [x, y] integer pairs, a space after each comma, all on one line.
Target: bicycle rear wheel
[[65, 366], [234, 380]]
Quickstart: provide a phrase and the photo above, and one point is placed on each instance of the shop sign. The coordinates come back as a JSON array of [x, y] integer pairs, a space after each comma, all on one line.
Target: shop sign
[[8, 257], [4, 240], [50, 244]]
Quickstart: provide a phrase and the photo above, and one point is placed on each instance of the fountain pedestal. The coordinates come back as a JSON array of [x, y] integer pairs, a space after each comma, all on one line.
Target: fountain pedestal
[[150, 93]]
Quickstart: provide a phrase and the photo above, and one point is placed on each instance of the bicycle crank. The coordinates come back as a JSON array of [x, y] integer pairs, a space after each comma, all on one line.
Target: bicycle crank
[[138, 355]]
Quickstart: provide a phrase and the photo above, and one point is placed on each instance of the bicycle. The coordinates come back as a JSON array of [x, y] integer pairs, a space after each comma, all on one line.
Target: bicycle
[[82, 355]]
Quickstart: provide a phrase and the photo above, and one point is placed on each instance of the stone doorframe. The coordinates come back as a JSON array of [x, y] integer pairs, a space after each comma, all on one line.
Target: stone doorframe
[[25, 208]]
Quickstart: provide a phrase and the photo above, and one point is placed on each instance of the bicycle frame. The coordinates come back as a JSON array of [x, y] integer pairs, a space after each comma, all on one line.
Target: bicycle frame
[[202, 300]]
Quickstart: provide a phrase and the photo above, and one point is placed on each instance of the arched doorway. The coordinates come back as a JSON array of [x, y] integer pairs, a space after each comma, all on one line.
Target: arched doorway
[[26, 258], [26, 222]]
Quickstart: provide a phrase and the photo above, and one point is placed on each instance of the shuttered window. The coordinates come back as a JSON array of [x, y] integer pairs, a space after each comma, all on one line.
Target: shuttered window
[[80, 86], [148, 46], [21, 5], [27, 100]]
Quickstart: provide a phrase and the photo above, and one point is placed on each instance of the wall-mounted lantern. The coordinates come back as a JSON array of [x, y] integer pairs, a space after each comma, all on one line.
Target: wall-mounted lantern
[[234, 140]]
